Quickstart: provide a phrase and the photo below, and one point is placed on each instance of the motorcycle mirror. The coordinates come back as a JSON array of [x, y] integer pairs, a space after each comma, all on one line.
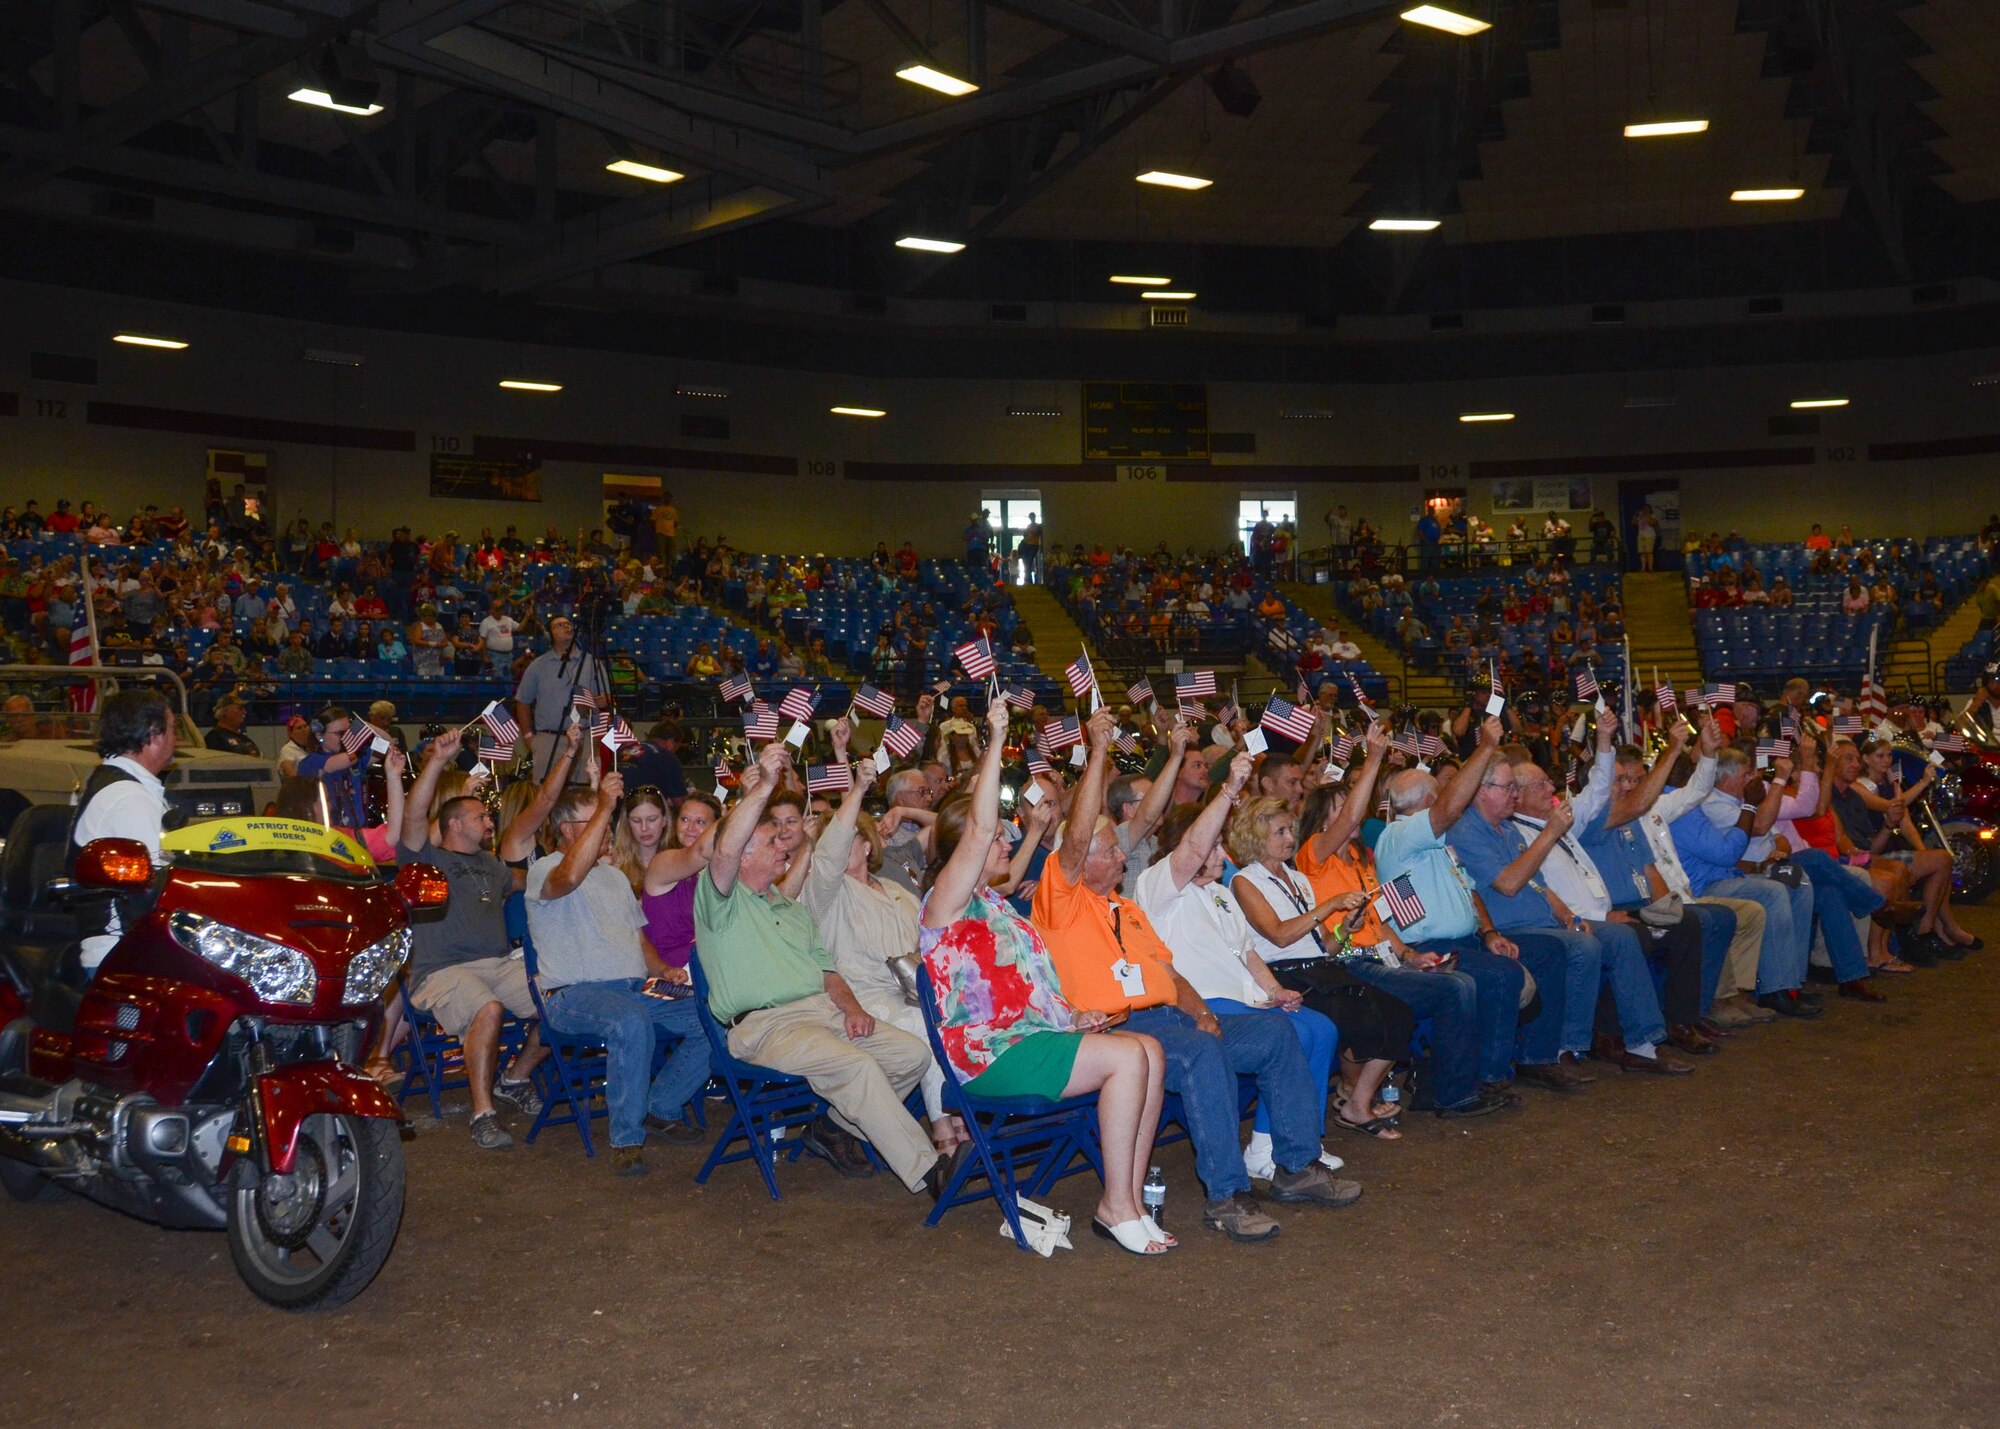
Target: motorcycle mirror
[[421, 885], [113, 863]]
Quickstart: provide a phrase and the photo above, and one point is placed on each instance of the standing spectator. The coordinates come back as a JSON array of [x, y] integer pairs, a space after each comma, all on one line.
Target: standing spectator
[[496, 633], [1646, 535], [1030, 550], [542, 701]]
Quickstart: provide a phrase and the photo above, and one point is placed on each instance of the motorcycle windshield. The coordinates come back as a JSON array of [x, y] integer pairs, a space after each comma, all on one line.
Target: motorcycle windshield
[[252, 846]]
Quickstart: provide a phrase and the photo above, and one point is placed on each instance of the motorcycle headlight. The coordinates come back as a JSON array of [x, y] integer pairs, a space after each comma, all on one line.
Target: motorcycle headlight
[[275, 972], [369, 970]]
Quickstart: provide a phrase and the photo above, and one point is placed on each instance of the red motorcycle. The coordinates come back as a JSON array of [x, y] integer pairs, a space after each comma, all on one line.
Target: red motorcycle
[[205, 1076]]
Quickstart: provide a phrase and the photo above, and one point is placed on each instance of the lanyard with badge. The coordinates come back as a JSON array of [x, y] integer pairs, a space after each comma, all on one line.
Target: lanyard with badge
[[1131, 977], [1284, 880]]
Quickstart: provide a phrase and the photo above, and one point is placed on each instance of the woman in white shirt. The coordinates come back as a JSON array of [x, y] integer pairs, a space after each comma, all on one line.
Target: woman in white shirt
[[868, 924], [1214, 949], [1284, 916]]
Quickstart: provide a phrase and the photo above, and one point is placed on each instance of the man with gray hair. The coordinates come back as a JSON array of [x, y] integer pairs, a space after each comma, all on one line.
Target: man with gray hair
[[1137, 803], [906, 829]]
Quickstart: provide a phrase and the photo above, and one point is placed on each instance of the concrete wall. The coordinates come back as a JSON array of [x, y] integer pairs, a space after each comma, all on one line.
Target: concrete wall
[[444, 391]]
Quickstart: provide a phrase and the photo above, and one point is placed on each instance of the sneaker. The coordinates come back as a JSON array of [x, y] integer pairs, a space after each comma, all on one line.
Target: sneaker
[[679, 1130], [1328, 1160], [1262, 1170], [1312, 1186], [521, 1094], [488, 1134], [1238, 1219], [628, 1161]]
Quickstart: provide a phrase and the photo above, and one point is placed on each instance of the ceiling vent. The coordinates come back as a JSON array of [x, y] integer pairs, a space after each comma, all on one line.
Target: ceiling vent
[[1158, 316]]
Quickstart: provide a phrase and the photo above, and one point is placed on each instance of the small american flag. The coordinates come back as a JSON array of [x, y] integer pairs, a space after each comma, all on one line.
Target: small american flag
[[1721, 693], [760, 721], [1303, 694], [1037, 764], [977, 658], [1194, 685], [495, 755], [1082, 679], [1789, 725], [82, 696], [1951, 742], [1344, 747], [1360, 699], [725, 777], [736, 687], [1406, 742], [1124, 741], [1773, 748], [1018, 697], [618, 735], [582, 699], [1139, 692], [1059, 734], [1406, 909], [1849, 725], [1429, 747], [829, 778], [1586, 685], [903, 737], [798, 704], [505, 731], [1663, 698], [874, 701], [360, 734], [1281, 716]]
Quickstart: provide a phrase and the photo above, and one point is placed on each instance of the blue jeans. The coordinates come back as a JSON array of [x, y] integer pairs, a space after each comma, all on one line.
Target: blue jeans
[[1202, 1072], [628, 1021], [1788, 915], [1318, 1038], [1473, 1009], [1838, 899], [500, 664], [1718, 931], [1569, 967]]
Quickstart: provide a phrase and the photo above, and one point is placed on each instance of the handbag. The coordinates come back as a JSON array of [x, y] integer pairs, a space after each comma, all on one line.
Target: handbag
[[904, 969]]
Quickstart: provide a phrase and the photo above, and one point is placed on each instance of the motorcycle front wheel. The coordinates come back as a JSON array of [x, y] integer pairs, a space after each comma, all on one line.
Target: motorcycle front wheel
[[1974, 865], [314, 1239]]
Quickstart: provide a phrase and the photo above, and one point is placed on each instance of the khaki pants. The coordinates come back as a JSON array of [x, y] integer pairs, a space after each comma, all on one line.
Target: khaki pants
[[542, 748], [1739, 966], [865, 1082]]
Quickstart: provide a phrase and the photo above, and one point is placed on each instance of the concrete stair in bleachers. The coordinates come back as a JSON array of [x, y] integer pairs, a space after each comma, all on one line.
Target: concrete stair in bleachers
[[1908, 663], [1407, 686], [1057, 637], [1661, 627]]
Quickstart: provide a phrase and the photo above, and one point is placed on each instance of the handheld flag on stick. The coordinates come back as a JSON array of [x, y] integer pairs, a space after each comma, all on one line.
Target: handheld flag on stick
[[360, 734], [977, 658], [829, 778], [798, 704], [874, 702], [505, 731], [735, 688], [1140, 692], [760, 721], [903, 737], [1293, 721], [1059, 734], [1082, 679], [1399, 902]]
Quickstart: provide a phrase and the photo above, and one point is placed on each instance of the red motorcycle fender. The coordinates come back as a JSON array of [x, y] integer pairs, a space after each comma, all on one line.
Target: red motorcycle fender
[[287, 1096]]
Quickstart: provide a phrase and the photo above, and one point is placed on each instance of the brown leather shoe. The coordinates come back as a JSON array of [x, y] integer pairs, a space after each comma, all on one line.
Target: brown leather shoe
[[1860, 991], [1691, 1041], [1606, 1049], [1659, 1064], [1570, 1062], [1553, 1077]]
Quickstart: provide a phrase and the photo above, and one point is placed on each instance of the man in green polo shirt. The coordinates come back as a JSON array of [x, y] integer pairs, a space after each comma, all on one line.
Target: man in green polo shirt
[[772, 983]]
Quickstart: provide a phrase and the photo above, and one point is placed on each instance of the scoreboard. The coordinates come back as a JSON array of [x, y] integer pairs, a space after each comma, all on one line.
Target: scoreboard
[[1145, 421]]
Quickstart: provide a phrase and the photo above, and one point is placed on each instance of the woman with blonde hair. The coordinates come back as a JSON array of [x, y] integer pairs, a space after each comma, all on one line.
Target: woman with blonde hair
[[641, 832], [667, 881]]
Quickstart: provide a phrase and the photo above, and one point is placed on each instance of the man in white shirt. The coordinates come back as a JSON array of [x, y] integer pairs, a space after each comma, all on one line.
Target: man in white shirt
[[123, 798], [1339, 647], [298, 744], [496, 633]]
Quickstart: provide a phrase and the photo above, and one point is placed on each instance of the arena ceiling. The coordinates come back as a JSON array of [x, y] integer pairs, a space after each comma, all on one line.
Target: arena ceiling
[[157, 145]]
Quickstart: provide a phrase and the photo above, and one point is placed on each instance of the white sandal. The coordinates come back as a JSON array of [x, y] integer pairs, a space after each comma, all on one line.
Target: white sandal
[[1134, 1235]]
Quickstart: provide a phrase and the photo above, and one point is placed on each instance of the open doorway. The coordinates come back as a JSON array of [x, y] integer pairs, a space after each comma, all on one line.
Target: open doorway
[[1660, 502], [1009, 513]]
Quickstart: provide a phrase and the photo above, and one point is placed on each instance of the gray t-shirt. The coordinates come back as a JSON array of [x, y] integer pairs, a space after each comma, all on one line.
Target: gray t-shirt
[[1138, 857], [903, 859], [589, 935], [474, 924]]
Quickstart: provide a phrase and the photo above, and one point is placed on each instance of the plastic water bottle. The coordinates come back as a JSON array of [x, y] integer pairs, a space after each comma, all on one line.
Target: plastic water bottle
[[1390, 1095], [1153, 1196]]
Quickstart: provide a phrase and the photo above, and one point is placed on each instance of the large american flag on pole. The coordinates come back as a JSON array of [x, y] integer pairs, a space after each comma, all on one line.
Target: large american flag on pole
[[82, 651]]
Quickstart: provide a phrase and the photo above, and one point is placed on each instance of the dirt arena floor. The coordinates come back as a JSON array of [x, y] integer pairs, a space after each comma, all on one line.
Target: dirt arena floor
[[1803, 1233]]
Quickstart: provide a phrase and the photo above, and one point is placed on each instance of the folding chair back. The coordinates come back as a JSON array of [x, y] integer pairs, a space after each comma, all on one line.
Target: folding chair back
[[571, 1080], [1020, 1145], [763, 1104]]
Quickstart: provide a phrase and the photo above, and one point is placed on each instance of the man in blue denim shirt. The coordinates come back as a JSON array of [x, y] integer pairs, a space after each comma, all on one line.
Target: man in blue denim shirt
[[1506, 868]]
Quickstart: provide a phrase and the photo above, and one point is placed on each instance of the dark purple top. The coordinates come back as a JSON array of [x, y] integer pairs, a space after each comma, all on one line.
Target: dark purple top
[[670, 922]]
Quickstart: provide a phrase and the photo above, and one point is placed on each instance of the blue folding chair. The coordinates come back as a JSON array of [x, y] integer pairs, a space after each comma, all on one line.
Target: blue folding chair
[[763, 1103], [433, 1060], [572, 1079], [1020, 1145]]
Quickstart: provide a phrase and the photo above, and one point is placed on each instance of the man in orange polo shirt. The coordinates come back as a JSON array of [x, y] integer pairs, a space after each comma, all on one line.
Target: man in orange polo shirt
[[1111, 960]]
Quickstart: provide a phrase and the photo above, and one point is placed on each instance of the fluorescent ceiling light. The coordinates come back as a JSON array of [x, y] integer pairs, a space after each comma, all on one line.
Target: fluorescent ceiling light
[[1486, 416], [1765, 195], [1168, 180], [936, 79], [320, 99], [857, 411], [1135, 281], [1161, 295], [931, 245], [652, 173], [1450, 21], [1661, 128], [136, 340], [1805, 403], [520, 384], [1404, 225]]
